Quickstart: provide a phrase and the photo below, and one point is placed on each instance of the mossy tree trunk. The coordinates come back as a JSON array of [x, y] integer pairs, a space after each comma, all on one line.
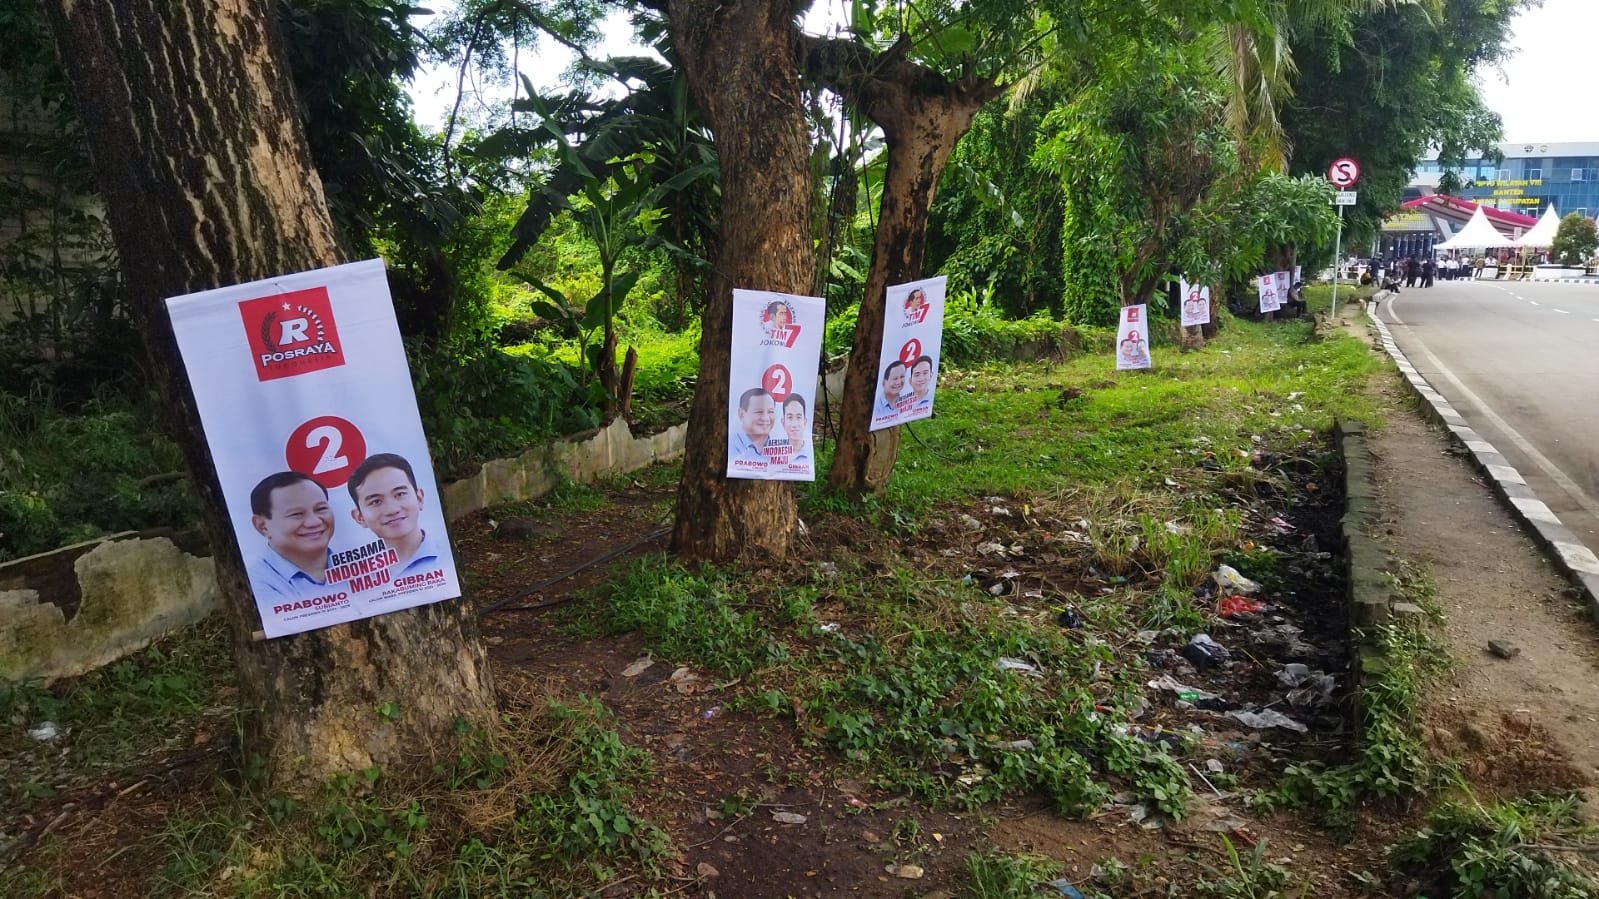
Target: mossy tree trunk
[[208, 181], [922, 115], [739, 59]]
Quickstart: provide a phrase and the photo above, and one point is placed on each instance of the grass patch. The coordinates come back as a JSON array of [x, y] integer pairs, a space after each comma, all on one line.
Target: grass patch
[[1391, 763], [114, 716], [1534, 847], [538, 807], [1033, 428]]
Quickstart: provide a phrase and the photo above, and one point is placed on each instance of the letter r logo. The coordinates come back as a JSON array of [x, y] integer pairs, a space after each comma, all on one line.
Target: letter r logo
[[293, 331]]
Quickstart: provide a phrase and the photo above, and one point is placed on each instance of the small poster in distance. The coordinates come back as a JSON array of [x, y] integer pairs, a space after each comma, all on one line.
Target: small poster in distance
[[1132, 339], [776, 354], [913, 336]]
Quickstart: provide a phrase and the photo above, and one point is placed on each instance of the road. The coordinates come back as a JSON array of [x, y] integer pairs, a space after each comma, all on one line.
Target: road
[[1520, 361]]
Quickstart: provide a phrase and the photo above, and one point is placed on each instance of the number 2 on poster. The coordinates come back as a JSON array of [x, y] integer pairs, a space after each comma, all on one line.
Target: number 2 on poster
[[327, 448], [778, 382], [911, 351]]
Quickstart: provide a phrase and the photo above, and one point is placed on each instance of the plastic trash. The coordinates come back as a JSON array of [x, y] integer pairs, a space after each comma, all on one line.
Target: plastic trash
[[1065, 888], [1007, 663], [788, 818], [1228, 578], [1239, 605], [1266, 719], [1070, 618], [1203, 652], [1184, 692], [45, 732]]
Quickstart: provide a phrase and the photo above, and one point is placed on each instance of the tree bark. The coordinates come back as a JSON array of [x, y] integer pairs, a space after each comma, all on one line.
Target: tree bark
[[739, 61], [922, 115], [208, 181]]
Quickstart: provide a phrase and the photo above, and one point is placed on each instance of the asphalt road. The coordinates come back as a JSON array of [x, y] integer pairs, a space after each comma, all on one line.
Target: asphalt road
[[1520, 361]]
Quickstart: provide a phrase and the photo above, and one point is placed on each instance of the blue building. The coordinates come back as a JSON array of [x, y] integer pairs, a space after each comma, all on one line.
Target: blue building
[[1527, 180]]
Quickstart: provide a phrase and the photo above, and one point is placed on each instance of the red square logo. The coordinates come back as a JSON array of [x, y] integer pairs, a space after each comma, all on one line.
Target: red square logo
[[292, 333]]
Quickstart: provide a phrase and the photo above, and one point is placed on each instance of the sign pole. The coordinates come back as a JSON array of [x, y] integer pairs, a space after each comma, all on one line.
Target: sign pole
[[1338, 261]]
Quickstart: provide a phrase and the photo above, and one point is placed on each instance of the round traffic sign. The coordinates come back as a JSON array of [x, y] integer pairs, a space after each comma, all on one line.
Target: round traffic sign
[[1343, 172]]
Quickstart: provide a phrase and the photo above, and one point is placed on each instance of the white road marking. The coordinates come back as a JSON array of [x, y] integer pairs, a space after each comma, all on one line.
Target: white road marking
[[1562, 312], [1534, 302], [1549, 468]]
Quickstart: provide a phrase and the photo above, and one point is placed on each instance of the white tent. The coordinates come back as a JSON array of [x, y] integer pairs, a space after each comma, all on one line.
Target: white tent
[[1542, 235], [1477, 235]]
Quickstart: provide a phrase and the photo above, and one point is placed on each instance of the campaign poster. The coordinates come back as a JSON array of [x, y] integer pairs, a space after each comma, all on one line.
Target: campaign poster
[[913, 334], [1299, 272], [777, 351], [1283, 286], [1132, 339], [307, 404], [1270, 299], [1195, 304]]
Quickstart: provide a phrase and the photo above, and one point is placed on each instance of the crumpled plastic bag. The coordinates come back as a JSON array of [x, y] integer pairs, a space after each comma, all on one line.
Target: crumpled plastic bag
[[1266, 719], [1231, 581]]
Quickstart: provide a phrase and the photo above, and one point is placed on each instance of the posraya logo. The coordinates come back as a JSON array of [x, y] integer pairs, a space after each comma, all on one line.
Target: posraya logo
[[292, 333]]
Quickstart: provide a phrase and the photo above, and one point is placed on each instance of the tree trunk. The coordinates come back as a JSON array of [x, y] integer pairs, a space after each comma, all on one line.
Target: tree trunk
[[739, 60], [922, 115], [207, 179]]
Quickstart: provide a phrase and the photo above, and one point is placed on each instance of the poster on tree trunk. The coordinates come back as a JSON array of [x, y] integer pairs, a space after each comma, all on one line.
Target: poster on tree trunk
[[913, 335], [1270, 300], [1283, 285], [1299, 272], [304, 392], [777, 348], [1195, 304], [1132, 338]]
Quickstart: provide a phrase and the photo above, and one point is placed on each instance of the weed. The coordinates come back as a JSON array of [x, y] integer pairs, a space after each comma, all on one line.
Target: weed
[[1530, 848], [1392, 763], [538, 809], [1249, 876], [995, 875], [693, 617]]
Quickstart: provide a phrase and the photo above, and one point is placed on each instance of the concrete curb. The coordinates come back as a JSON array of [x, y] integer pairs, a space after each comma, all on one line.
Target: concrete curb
[[1575, 560], [1370, 591]]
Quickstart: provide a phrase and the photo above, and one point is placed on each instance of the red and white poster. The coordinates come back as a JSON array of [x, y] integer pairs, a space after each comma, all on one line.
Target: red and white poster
[[1195, 304], [1284, 284], [1132, 339], [777, 351], [913, 335], [307, 404], [1270, 299]]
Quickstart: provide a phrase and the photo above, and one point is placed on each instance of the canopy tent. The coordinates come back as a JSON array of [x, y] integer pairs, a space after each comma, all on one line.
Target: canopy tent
[[1477, 235], [1542, 235]]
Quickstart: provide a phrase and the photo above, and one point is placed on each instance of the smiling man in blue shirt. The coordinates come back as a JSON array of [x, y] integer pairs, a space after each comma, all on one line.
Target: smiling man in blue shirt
[[291, 511]]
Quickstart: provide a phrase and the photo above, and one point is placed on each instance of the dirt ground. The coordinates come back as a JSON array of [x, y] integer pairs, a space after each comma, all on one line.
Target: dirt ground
[[1520, 723]]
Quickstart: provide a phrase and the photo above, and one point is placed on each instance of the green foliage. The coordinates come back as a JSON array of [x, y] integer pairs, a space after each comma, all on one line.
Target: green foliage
[[68, 474], [975, 330], [703, 618], [478, 402], [995, 225], [1509, 848], [537, 807], [1246, 876], [114, 716], [995, 875], [1388, 84], [1138, 149], [1391, 763], [1576, 240]]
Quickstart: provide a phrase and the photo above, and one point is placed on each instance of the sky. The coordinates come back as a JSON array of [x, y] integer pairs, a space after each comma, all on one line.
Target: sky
[[1543, 92]]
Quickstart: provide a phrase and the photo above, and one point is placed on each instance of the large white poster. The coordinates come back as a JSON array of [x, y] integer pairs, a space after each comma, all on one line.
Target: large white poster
[[1132, 339], [913, 335], [1270, 300], [1195, 304], [1283, 286], [307, 404], [777, 349]]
